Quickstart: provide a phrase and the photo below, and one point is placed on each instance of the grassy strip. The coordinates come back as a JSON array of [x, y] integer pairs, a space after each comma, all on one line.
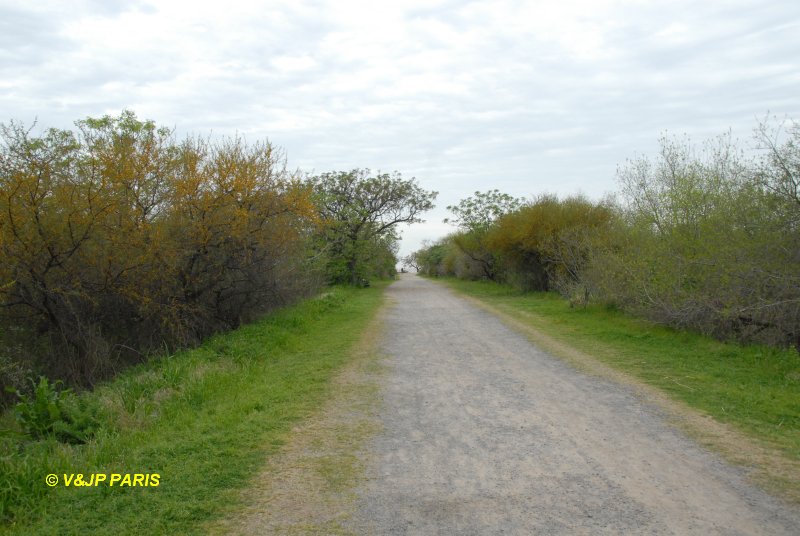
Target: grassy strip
[[756, 389], [310, 485], [203, 419]]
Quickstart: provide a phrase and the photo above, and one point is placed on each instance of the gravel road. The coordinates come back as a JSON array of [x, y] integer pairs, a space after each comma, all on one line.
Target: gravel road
[[483, 433]]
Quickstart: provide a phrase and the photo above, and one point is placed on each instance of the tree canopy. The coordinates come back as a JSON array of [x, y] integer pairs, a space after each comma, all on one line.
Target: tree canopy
[[360, 213]]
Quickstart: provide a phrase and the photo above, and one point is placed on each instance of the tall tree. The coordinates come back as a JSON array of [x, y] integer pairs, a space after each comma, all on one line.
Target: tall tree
[[361, 213]]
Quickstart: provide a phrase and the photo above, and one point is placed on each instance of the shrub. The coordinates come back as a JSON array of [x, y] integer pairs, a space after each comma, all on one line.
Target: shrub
[[58, 413], [545, 244], [708, 239], [117, 240]]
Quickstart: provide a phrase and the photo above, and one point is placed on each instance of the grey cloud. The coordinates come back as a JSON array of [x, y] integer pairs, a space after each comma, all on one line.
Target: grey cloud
[[457, 100], [27, 38]]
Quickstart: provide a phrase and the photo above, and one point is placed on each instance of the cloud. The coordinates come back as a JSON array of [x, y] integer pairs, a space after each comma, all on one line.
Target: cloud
[[466, 95]]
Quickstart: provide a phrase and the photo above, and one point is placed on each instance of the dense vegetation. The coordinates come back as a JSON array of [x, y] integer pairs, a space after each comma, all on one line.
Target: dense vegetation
[[704, 238], [117, 241]]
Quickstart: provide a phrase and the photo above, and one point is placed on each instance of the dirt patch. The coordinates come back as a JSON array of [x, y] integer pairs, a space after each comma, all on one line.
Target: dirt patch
[[307, 488]]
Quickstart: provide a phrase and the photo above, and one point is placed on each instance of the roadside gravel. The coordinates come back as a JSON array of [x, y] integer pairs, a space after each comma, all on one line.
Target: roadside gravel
[[483, 433]]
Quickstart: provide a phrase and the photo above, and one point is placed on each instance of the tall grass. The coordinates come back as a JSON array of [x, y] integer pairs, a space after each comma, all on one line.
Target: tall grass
[[203, 419]]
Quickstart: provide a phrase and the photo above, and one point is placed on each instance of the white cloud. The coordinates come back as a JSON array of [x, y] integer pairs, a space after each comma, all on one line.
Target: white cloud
[[521, 96]]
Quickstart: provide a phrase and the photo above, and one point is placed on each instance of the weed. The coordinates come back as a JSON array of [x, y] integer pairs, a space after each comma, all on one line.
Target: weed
[[58, 413]]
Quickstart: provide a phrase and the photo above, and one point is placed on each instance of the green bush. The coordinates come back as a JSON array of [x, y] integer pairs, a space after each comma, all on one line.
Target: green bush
[[60, 414]]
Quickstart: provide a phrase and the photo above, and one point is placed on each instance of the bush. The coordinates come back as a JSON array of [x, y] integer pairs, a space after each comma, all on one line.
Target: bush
[[704, 238], [708, 240], [51, 412], [117, 240], [546, 244]]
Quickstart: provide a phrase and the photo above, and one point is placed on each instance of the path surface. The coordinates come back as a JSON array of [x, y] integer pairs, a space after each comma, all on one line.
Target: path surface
[[486, 434]]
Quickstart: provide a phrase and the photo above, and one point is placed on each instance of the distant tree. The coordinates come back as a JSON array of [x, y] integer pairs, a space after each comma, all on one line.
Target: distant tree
[[475, 215], [411, 261], [546, 244], [778, 171], [481, 210], [359, 212], [432, 258]]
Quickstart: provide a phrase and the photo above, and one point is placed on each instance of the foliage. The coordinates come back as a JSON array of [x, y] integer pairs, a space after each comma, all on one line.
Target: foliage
[[703, 238], [545, 244], [430, 258], [475, 216], [53, 412], [411, 261], [117, 240], [479, 211], [709, 241], [778, 171], [542, 244], [360, 214]]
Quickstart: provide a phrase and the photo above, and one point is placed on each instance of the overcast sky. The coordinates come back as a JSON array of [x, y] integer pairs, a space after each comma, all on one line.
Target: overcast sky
[[527, 97]]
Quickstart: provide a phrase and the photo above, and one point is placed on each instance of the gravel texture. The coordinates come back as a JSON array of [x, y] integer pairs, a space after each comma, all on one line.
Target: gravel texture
[[483, 433]]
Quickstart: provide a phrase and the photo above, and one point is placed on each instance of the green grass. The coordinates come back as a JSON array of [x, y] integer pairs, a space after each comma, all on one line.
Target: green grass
[[754, 388], [204, 419]]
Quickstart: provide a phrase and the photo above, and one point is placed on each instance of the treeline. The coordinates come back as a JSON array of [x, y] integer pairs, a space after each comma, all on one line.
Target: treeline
[[118, 240], [700, 237]]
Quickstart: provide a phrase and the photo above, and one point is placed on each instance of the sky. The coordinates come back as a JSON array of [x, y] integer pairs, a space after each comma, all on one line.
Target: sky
[[527, 97]]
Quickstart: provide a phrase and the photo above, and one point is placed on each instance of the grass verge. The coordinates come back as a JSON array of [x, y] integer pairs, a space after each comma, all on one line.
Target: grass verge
[[753, 391], [310, 485], [203, 419]]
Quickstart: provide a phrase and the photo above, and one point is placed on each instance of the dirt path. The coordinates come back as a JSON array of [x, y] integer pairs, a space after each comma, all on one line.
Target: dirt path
[[485, 434]]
